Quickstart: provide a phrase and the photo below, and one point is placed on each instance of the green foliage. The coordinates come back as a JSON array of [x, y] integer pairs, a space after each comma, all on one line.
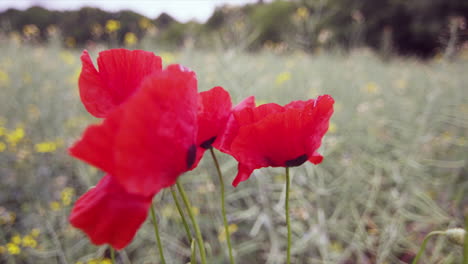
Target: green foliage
[[272, 20]]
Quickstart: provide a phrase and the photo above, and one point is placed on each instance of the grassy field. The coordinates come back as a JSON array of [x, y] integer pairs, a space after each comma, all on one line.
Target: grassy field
[[395, 163]]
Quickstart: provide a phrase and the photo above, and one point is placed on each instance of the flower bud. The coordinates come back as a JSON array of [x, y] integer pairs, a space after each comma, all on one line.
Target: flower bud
[[456, 235]]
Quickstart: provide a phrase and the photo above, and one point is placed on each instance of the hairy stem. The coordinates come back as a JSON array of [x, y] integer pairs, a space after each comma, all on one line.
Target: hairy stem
[[182, 216], [158, 238], [223, 207], [198, 235], [288, 225]]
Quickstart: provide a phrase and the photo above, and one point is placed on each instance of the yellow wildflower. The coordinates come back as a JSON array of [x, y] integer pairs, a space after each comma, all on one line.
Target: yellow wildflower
[[168, 212], [112, 25], [13, 249], [44, 147], [54, 206], [167, 57], [106, 261], [282, 78], [336, 247], [15, 136], [67, 57], [29, 241], [67, 195], [332, 128], [35, 232], [4, 78], [222, 232], [371, 88], [2, 146], [130, 39], [302, 13], [195, 210], [16, 239], [144, 23], [93, 261], [30, 30]]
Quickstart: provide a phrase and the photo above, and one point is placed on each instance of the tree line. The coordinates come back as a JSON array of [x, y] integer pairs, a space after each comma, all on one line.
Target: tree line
[[417, 27]]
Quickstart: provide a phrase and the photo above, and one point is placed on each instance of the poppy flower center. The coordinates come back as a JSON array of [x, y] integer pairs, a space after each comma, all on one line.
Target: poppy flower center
[[297, 161], [191, 155], [207, 143]]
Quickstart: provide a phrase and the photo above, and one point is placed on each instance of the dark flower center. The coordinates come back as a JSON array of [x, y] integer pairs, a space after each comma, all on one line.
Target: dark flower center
[[207, 143], [191, 155], [297, 161]]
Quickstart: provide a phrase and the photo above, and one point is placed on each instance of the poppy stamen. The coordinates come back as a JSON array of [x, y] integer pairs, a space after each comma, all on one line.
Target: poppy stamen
[[297, 161]]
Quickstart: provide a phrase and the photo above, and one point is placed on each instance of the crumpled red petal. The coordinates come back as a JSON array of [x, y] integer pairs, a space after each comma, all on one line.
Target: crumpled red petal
[[110, 215], [149, 140], [120, 73]]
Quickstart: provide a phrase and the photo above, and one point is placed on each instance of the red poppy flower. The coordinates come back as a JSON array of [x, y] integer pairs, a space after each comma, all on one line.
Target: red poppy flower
[[120, 73], [109, 214], [277, 136], [214, 109], [150, 139]]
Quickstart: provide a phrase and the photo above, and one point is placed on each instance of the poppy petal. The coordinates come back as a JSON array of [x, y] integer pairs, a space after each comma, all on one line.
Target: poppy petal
[[108, 214], [97, 143], [243, 173], [214, 109], [157, 136], [224, 141], [120, 73], [94, 95], [316, 158]]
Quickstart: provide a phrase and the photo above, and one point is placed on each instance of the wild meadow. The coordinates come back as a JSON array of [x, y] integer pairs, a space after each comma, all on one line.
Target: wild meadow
[[394, 169]]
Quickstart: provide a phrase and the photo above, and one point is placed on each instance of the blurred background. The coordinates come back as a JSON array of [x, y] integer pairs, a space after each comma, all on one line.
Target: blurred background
[[420, 28], [396, 151]]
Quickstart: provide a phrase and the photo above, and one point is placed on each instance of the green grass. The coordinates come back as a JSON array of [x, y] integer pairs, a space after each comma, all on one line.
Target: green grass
[[394, 169]]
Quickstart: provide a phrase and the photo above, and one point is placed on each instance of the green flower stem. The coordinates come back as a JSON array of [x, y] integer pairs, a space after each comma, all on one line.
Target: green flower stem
[[156, 233], [288, 225], [112, 253], [193, 259], [465, 243], [223, 208], [182, 216], [423, 246], [198, 235]]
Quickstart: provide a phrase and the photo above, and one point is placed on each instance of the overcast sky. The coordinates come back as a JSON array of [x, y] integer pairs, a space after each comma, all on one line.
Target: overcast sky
[[182, 10]]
